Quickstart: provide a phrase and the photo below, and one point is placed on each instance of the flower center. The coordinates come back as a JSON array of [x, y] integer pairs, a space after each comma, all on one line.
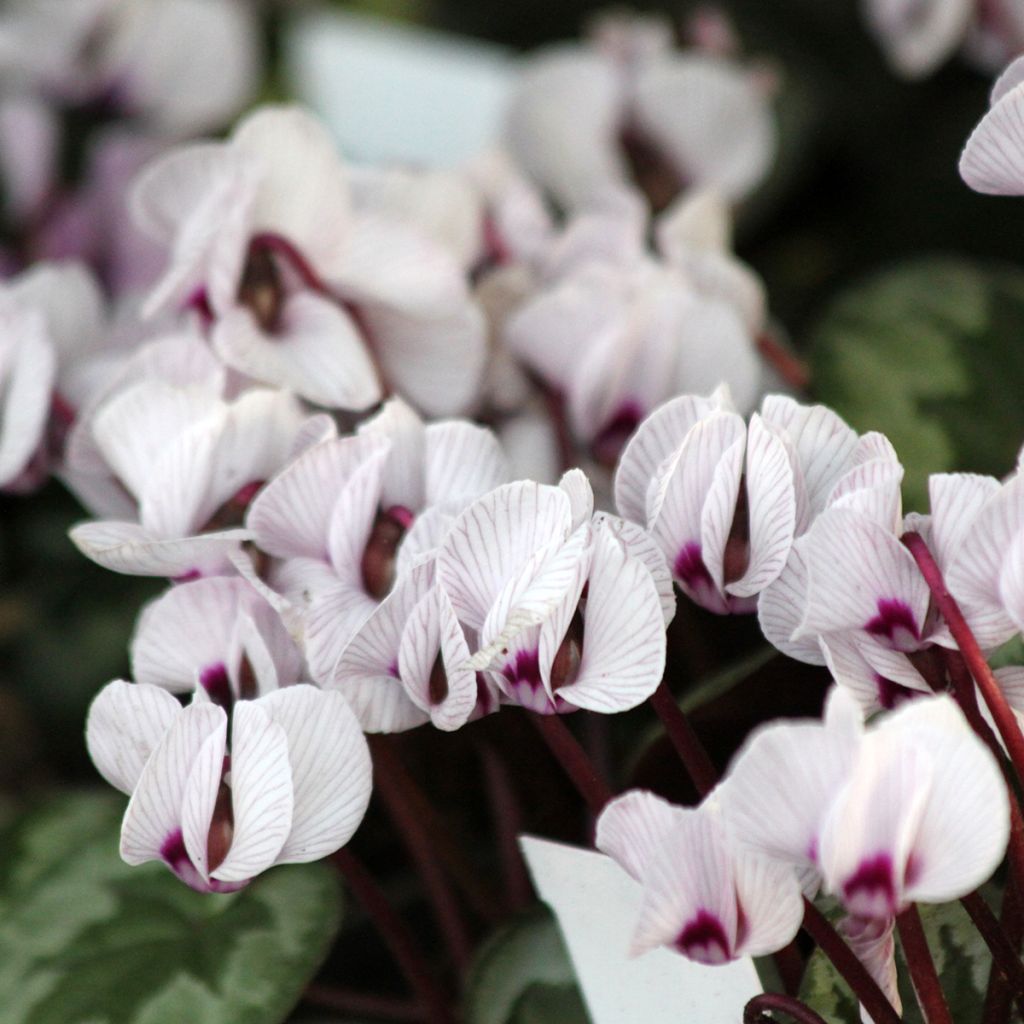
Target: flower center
[[378, 564]]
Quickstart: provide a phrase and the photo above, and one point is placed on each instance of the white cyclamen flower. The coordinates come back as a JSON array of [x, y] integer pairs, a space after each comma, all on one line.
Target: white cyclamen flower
[[290, 784]]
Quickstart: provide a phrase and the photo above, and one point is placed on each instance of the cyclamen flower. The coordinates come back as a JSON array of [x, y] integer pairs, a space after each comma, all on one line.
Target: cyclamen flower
[[569, 609], [617, 330], [703, 896], [299, 289], [351, 515], [915, 809], [725, 502], [582, 114], [291, 786], [192, 462], [52, 319], [217, 635], [178, 66]]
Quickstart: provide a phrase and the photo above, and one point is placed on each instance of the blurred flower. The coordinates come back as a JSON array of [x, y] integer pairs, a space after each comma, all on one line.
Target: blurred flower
[[703, 896], [993, 159], [290, 785], [586, 119]]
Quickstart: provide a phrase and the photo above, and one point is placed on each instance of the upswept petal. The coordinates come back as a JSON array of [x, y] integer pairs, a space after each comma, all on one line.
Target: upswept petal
[[710, 118], [917, 37], [1011, 582], [424, 537], [769, 896], [199, 804], [861, 577], [872, 489], [367, 671], [993, 158], [433, 632], [155, 810], [639, 544], [291, 516], [1011, 76], [317, 351], [353, 517], [955, 500], [632, 827], [261, 793], [403, 483], [463, 461], [27, 374], [661, 434], [331, 770], [623, 657], [780, 609], [335, 612], [492, 538], [126, 723], [772, 508]]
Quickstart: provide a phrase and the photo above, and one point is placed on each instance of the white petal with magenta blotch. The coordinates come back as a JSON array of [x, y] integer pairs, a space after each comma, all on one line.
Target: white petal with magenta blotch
[[632, 827], [126, 723]]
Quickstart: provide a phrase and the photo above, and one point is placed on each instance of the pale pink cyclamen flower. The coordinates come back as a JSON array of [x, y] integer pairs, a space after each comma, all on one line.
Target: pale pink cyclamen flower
[[581, 113], [725, 502], [192, 463], [704, 896], [52, 321], [617, 329], [568, 609], [865, 603], [300, 289], [289, 785], [174, 66], [352, 515], [993, 158]]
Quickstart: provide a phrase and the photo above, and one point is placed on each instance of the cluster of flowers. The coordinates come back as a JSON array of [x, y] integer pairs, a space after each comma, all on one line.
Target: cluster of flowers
[[256, 420]]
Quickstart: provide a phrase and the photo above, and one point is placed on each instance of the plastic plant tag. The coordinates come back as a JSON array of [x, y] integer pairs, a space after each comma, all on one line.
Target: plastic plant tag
[[396, 92], [597, 904]]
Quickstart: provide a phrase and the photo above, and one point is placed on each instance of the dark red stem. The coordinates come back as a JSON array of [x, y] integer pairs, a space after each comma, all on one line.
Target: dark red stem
[[790, 368], [973, 656], [574, 761], [396, 934], [508, 819], [922, 967], [1004, 958], [846, 962], [555, 402], [771, 1002], [688, 746], [999, 994]]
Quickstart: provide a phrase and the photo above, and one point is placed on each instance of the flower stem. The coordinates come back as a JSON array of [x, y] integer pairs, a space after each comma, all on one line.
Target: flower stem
[[689, 748], [1005, 721], [394, 931], [574, 761], [507, 814], [363, 1004], [846, 962], [922, 967], [999, 994], [769, 1002], [789, 367]]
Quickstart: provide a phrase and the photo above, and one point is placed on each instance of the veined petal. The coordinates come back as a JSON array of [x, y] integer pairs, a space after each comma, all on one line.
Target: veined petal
[[317, 351], [639, 544], [781, 609], [659, 436], [291, 516], [403, 482], [993, 158], [872, 489], [154, 814], [125, 725], [492, 538], [335, 613], [689, 892], [875, 946], [353, 516], [770, 900], [199, 806], [955, 500], [771, 498], [623, 656], [463, 461], [1011, 582], [330, 770], [26, 388], [1011, 76], [861, 577], [633, 826], [261, 793]]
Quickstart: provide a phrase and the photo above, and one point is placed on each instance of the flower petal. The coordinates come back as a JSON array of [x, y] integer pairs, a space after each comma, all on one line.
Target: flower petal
[[632, 827], [463, 461], [993, 158], [781, 609]]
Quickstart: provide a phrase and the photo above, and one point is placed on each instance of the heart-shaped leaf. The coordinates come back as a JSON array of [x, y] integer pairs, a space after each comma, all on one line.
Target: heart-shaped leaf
[[86, 939]]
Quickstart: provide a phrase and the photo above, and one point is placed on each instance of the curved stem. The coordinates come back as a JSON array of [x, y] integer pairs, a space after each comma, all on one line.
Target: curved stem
[[999, 994], [753, 1012], [922, 967], [574, 761], [399, 938], [1004, 958], [689, 748], [846, 962], [948, 608], [791, 368]]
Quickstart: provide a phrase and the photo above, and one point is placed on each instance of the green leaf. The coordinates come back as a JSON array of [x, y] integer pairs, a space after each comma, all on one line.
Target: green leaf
[[961, 958], [523, 972], [86, 939], [929, 354]]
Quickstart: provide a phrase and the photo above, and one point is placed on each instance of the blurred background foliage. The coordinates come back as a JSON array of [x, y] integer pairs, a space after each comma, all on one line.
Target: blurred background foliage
[[899, 285]]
